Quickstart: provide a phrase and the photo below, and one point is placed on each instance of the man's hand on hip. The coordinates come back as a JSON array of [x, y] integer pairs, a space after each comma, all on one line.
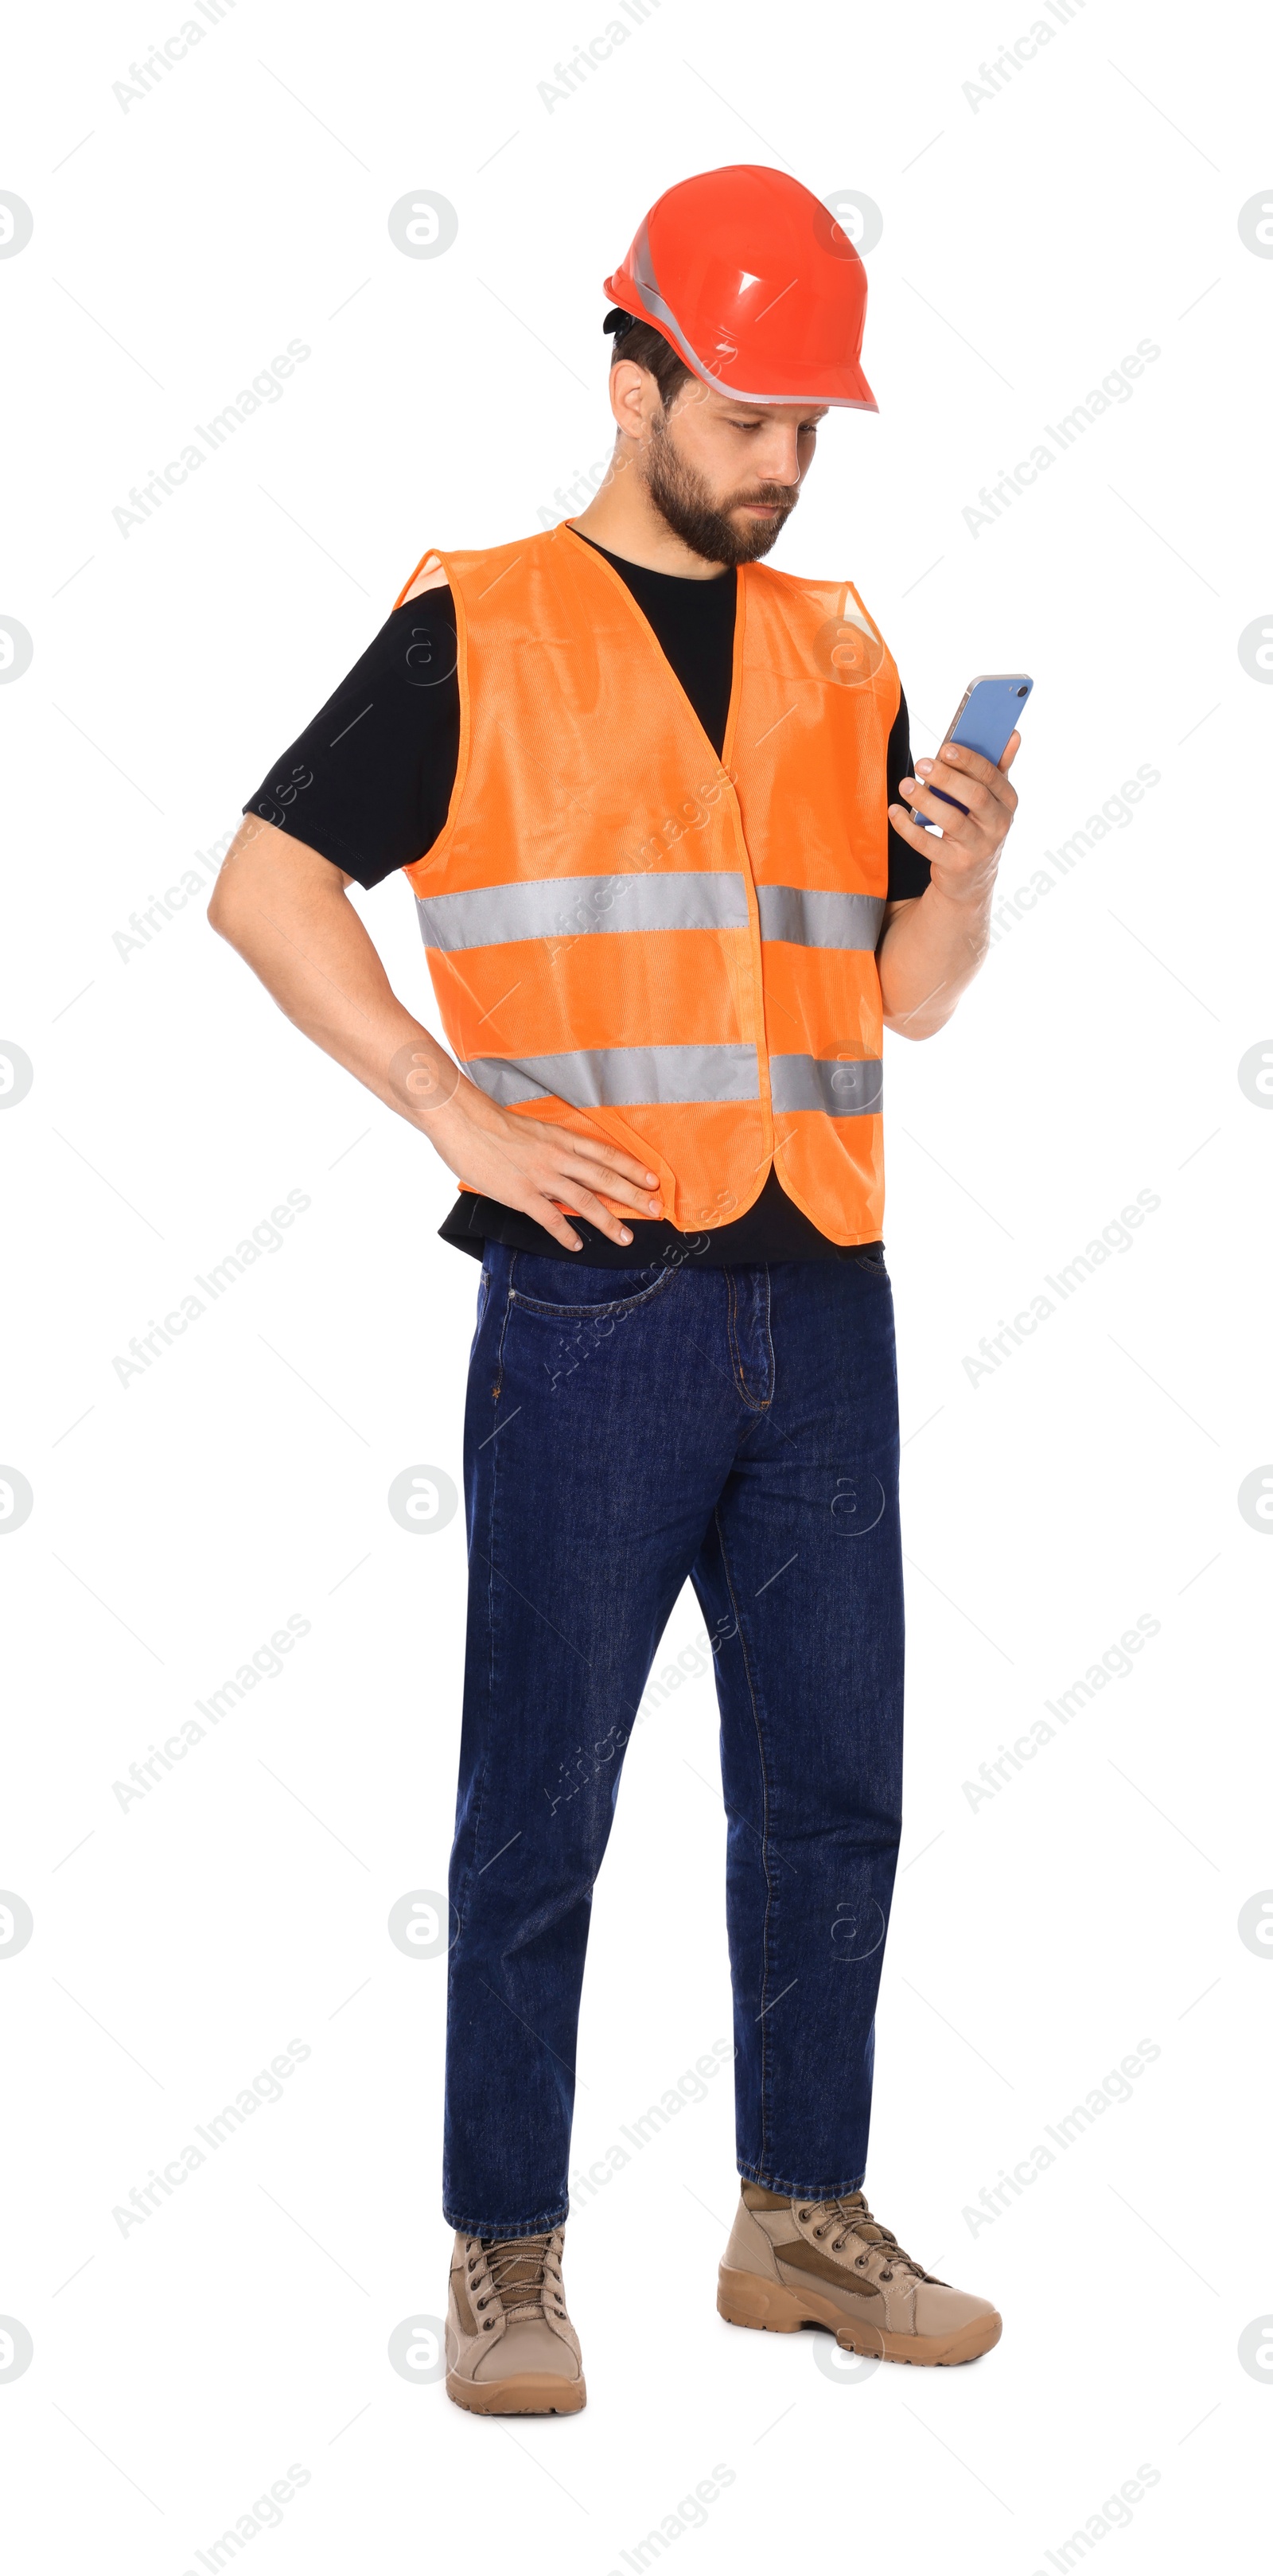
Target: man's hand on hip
[[285, 908], [527, 1163]]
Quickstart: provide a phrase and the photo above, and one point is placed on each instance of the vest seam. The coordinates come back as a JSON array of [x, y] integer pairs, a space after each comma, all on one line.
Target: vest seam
[[642, 621], [879, 640], [438, 848], [749, 875], [426, 557], [796, 1200]]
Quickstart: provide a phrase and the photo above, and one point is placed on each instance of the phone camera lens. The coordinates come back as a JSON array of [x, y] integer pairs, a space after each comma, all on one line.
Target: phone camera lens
[[1021, 693]]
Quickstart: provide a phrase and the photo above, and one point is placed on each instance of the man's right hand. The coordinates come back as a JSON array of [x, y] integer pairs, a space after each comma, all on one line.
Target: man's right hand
[[284, 908]]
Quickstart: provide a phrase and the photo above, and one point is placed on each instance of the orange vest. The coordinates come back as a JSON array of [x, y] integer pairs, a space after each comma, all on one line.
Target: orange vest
[[630, 937]]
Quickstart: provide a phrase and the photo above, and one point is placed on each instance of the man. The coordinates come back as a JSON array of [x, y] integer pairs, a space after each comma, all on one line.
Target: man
[[647, 792]]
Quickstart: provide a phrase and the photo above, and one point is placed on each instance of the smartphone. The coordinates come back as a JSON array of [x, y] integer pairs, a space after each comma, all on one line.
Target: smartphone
[[985, 720]]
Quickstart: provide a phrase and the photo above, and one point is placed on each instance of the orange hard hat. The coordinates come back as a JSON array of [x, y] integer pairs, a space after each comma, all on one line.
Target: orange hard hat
[[755, 285]]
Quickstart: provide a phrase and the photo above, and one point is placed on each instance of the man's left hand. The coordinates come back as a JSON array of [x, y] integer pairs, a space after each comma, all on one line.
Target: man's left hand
[[964, 861]]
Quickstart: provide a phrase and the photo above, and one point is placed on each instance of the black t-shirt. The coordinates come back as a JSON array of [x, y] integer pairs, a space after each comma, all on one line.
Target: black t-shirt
[[368, 784]]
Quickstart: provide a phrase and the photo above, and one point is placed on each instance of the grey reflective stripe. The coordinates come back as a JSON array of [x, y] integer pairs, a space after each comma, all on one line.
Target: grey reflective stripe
[[621, 1077], [822, 1082], [812, 920], [569, 907]]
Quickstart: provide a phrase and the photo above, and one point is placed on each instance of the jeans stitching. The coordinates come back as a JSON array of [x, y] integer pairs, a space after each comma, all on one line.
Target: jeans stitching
[[490, 1570], [740, 1366], [479, 1795], [757, 1404], [802, 2190], [610, 1306], [764, 1844], [540, 2225]]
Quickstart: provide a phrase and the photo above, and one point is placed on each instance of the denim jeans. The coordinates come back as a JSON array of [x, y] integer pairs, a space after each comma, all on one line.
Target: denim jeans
[[625, 1431]]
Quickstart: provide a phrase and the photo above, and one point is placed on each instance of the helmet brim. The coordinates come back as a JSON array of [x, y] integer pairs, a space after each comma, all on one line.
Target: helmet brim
[[842, 385]]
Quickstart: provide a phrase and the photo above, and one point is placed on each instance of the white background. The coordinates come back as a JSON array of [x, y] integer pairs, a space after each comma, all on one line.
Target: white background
[[1029, 241]]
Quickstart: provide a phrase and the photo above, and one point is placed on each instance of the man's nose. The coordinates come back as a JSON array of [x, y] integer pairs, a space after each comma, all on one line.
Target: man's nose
[[781, 461]]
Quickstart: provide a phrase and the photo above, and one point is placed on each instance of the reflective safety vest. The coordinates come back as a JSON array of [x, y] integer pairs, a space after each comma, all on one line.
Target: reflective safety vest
[[631, 937]]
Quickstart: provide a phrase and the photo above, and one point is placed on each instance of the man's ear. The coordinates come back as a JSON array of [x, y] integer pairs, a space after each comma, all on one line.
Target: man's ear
[[634, 397]]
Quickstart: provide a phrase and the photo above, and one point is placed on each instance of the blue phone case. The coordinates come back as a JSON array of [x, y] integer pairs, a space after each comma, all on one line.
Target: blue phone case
[[985, 720]]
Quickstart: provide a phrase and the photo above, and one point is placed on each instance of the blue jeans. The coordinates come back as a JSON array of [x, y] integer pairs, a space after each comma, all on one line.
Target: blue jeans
[[626, 1430]]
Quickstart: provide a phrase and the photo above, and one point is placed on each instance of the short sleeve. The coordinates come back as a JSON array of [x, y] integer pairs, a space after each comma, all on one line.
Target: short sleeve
[[369, 781]]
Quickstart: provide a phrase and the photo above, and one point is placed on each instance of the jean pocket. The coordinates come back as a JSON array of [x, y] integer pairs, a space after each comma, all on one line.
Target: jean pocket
[[483, 1292], [555, 1290], [873, 1263]]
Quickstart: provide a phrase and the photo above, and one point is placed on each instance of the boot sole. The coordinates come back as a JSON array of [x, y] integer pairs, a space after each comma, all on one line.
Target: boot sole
[[525, 2392], [744, 2299]]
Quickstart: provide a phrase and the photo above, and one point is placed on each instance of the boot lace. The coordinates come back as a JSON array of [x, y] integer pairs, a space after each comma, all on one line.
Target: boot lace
[[519, 2276], [849, 2216]]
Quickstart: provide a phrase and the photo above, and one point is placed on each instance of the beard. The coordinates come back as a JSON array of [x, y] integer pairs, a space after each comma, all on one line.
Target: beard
[[703, 523]]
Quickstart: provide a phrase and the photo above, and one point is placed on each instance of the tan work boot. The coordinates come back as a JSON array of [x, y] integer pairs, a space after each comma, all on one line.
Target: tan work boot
[[790, 2263], [510, 2346]]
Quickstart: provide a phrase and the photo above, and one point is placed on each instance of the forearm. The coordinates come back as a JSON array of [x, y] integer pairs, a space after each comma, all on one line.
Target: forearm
[[284, 908], [929, 954], [934, 943], [309, 948]]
